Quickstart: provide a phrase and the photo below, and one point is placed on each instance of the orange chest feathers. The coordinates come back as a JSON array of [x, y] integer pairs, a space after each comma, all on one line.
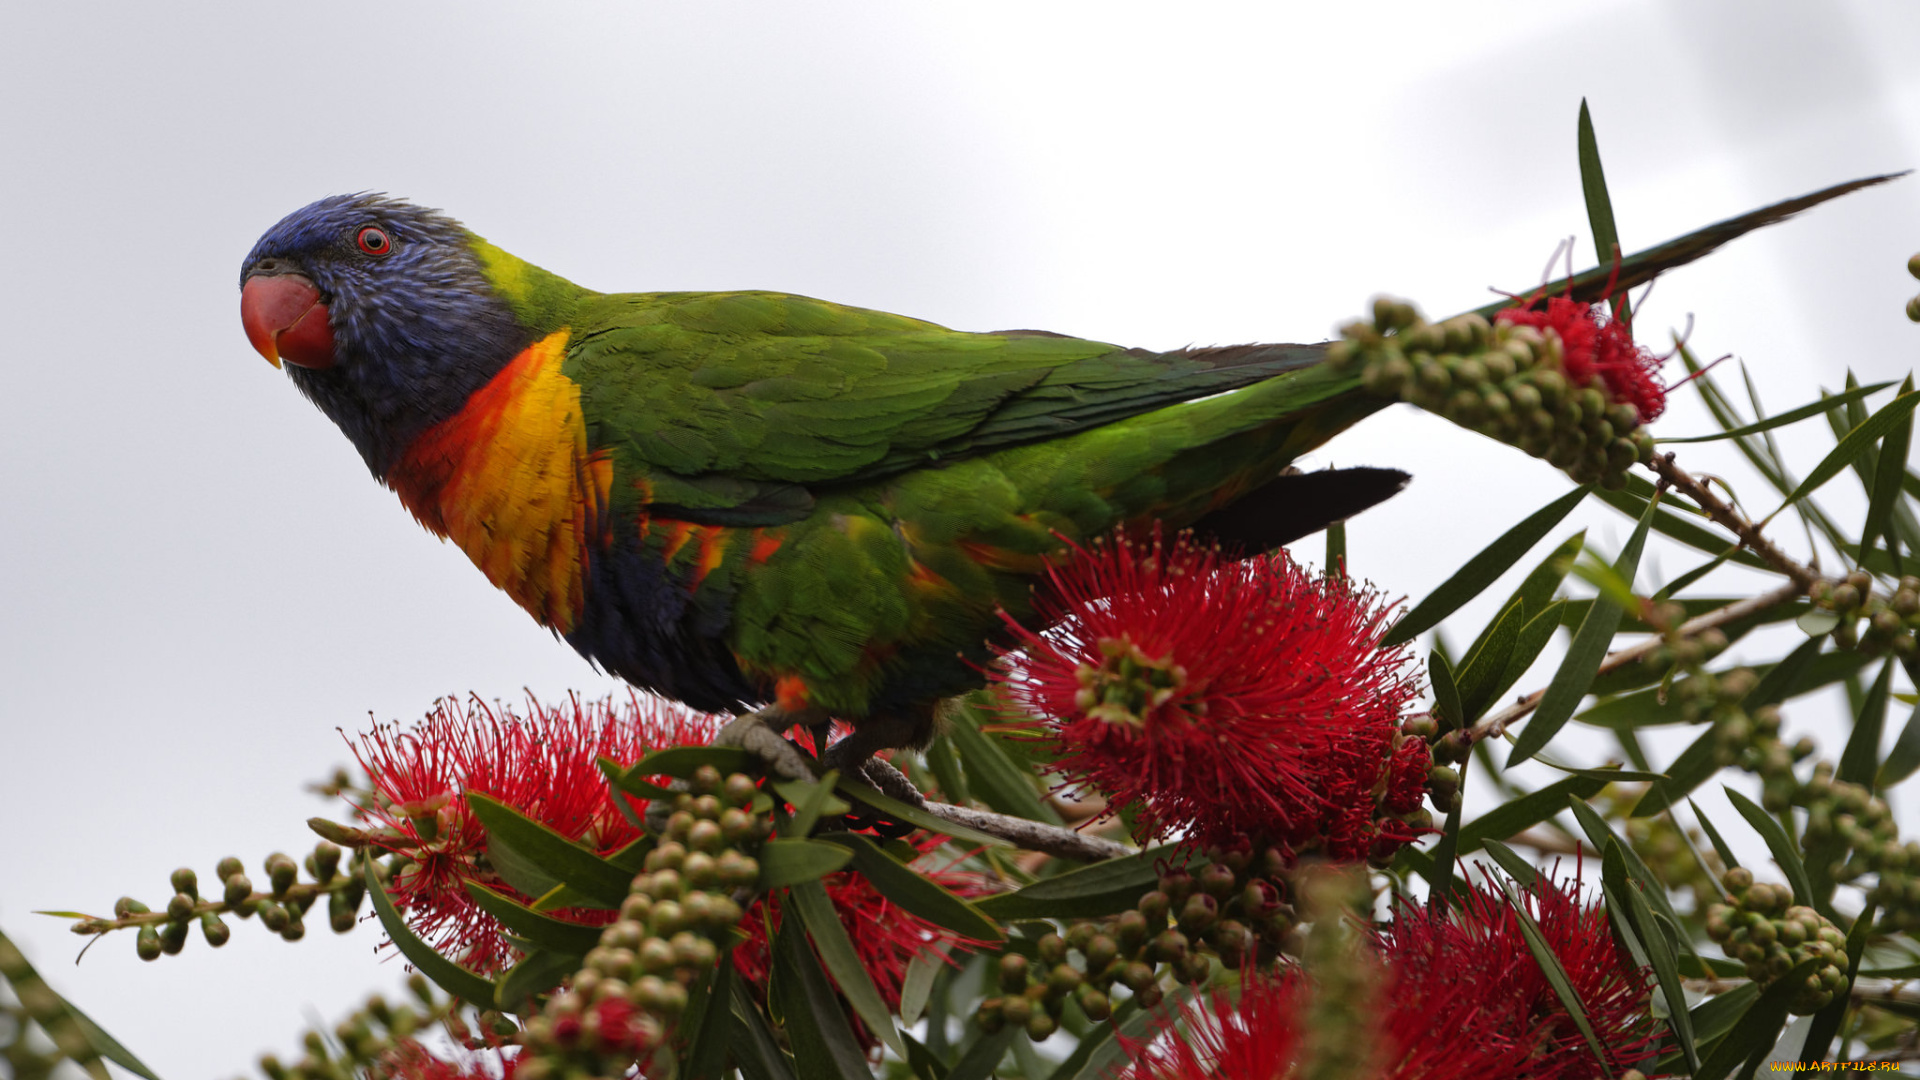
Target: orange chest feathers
[[510, 480]]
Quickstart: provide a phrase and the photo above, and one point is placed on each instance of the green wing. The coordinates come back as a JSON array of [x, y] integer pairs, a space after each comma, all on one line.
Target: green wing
[[739, 408]]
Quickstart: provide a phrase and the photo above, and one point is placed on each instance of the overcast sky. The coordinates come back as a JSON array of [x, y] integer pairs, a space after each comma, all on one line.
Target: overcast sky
[[201, 583]]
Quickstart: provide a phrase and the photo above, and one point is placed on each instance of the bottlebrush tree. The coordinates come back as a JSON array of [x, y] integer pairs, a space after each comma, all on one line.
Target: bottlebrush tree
[[1209, 822]]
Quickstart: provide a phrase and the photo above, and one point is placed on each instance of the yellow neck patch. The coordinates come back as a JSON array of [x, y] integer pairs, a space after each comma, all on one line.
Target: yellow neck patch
[[509, 478]]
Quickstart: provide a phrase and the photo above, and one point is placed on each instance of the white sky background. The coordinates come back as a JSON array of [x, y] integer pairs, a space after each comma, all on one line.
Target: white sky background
[[201, 582]]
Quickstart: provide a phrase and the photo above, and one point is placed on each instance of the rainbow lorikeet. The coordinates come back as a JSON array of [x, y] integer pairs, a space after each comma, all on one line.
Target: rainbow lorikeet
[[748, 498], [745, 498]]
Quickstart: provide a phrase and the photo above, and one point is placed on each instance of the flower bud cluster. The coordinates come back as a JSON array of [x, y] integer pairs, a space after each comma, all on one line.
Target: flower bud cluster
[[1229, 911], [672, 930], [1506, 381], [282, 907], [1871, 623], [379, 1039], [1445, 752], [1767, 932]]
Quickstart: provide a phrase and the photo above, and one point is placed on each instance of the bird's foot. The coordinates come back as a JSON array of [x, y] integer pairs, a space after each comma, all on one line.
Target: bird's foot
[[759, 733]]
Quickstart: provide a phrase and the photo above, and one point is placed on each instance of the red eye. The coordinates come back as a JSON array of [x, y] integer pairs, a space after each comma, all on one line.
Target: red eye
[[374, 241]]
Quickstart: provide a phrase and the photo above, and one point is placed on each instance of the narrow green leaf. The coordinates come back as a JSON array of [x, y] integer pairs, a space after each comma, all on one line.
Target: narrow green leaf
[[1716, 1016], [1758, 1026], [836, 952], [1600, 834], [1446, 694], [1536, 591], [900, 811], [1778, 842], [707, 1030], [543, 930], [1791, 416], [1486, 666], [106, 1045], [1858, 441], [1593, 185], [1904, 758], [1860, 761], [786, 862], [683, 761], [823, 1044], [810, 800], [1483, 569], [983, 1056], [1888, 469], [448, 975], [944, 763], [539, 972], [1515, 816], [755, 1050], [1642, 266], [1103, 888], [918, 983], [1556, 975], [1589, 647], [27, 983], [1516, 867], [1533, 640], [1720, 847], [915, 892], [995, 778], [560, 857], [1666, 972]]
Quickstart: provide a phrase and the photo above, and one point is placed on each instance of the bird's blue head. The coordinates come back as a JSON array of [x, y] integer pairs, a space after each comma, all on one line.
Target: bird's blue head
[[383, 314]]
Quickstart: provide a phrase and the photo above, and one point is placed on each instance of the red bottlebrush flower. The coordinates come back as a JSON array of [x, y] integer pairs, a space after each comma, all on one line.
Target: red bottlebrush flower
[[1469, 973], [1224, 696], [1252, 1035], [1461, 998], [541, 764], [1595, 346], [885, 937]]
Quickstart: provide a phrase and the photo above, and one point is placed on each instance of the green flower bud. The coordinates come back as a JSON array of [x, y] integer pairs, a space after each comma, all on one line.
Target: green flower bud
[[147, 943], [1040, 1026], [1913, 309], [173, 938], [1095, 1004], [1013, 973]]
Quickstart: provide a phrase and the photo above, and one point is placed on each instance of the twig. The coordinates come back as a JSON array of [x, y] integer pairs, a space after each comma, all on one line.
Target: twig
[[1033, 835], [1495, 725], [1735, 522]]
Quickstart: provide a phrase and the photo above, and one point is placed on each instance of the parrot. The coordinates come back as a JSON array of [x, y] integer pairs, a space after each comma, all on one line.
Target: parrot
[[787, 509]]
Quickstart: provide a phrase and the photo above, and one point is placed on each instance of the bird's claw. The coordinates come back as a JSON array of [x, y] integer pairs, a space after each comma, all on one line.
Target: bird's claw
[[756, 733]]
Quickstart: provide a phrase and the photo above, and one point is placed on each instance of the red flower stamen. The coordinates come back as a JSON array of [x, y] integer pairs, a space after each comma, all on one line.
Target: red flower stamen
[[1595, 346], [1228, 698], [541, 764]]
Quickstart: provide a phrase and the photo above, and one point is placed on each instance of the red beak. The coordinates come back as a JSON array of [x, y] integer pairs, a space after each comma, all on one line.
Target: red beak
[[285, 320]]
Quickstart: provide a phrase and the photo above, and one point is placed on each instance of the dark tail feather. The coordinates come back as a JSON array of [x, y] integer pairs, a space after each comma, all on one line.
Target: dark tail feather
[[1294, 505], [1591, 286]]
